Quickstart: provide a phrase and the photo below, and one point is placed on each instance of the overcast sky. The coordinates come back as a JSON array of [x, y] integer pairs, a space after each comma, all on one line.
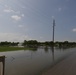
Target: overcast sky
[[32, 19]]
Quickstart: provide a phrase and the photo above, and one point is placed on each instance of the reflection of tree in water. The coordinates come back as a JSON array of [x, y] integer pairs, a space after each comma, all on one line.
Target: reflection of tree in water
[[46, 49], [34, 49], [52, 49]]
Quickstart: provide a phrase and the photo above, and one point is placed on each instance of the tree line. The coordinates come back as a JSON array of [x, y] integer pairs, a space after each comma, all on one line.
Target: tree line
[[35, 43], [5, 43]]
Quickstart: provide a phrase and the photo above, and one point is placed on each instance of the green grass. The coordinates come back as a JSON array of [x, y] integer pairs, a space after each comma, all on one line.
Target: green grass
[[3, 48]]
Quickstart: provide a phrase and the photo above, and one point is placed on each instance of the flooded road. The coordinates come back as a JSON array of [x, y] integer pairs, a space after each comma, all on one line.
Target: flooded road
[[28, 62]]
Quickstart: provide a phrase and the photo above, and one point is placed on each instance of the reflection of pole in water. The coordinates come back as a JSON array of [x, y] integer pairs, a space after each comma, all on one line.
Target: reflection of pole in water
[[52, 53]]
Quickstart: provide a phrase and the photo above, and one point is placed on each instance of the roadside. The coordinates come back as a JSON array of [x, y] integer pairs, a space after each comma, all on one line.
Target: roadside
[[64, 67]]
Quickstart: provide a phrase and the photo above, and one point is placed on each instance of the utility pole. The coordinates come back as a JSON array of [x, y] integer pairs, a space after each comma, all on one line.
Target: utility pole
[[53, 39], [53, 29]]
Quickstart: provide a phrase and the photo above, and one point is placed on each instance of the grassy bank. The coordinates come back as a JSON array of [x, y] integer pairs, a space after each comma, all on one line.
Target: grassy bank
[[3, 48]]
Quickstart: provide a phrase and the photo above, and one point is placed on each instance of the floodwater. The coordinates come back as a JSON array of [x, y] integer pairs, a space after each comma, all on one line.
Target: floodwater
[[28, 62]]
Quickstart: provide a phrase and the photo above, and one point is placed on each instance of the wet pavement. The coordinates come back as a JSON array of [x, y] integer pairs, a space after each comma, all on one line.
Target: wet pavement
[[64, 67]]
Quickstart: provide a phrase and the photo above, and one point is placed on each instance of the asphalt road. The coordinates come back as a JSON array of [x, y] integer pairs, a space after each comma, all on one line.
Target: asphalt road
[[65, 67]]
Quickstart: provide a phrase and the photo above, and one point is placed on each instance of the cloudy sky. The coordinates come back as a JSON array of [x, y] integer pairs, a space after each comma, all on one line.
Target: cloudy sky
[[32, 19]]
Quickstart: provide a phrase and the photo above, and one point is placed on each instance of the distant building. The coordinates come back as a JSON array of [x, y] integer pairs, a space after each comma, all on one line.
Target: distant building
[[20, 45]]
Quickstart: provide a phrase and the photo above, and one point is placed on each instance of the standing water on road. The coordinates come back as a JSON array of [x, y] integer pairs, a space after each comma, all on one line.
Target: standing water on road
[[32, 62]]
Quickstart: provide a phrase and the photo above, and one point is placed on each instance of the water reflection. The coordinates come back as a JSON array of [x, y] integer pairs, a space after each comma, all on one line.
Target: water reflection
[[31, 62], [12, 58], [33, 49], [52, 49], [46, 49]]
